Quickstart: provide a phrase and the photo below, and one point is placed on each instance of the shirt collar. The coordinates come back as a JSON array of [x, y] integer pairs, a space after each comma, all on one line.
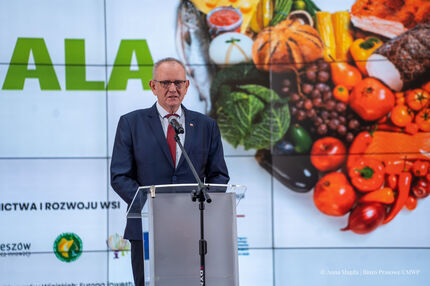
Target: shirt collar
[[163, 112]]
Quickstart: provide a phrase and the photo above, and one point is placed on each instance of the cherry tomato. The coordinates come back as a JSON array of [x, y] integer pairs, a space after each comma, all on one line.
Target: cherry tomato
[[417, 98], [334, 195], [423, 119], [420, 168], [401, 115], [411, 203], [341, 93], [392, 181]]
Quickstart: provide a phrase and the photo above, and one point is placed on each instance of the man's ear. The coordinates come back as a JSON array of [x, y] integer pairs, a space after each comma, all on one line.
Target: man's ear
[[152, 85]]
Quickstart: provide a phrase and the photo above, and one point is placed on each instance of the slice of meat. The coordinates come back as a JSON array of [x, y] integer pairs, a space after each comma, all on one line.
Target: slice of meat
[[389, 18], [403, 60], [387, 28]]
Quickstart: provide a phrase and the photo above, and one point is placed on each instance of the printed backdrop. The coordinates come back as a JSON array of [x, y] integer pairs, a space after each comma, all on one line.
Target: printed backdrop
[[297, 104]]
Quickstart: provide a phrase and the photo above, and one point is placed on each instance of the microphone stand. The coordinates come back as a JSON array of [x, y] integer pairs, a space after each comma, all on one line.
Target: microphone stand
[[202, 196]]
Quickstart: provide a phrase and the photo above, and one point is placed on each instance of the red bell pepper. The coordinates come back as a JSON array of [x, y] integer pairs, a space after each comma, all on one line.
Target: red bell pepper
[[358, 147], [367, 174]]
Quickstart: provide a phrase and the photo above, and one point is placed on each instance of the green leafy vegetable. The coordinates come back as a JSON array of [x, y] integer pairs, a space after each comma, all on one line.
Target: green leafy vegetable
[[250, 115]]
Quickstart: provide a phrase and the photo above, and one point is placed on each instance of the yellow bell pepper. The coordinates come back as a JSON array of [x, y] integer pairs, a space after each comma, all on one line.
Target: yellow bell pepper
[[361, 49]]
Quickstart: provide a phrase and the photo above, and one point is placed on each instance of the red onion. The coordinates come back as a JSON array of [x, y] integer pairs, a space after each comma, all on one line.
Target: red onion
[[365, 218]]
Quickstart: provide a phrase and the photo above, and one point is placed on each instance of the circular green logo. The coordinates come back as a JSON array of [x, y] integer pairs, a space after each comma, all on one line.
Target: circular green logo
[[68, 247]]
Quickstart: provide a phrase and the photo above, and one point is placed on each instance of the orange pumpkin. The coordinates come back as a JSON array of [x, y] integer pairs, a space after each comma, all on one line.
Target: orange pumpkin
[[288, 45]]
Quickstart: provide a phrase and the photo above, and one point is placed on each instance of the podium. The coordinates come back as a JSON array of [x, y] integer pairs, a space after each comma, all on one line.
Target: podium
[[171, 233]]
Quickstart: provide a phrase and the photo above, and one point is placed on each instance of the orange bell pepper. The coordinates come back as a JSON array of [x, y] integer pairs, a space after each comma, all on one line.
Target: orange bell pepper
[[384, 195]]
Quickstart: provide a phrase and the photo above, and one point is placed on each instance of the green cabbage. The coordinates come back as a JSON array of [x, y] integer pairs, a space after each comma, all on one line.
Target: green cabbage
[[250, 115]]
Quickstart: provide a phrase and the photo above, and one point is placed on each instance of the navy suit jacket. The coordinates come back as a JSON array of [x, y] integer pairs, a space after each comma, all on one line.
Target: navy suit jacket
[[141, 156]]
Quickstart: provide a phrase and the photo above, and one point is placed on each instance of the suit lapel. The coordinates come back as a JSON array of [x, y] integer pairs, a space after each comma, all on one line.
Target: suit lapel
[[190, 131], [157, 130]]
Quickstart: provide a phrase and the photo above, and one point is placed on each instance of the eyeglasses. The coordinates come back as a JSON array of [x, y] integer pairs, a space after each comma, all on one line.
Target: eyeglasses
[[166, 83]]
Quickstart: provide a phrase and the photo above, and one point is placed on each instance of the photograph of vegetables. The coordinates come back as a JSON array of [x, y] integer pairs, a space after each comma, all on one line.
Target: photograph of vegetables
[[335, 103]]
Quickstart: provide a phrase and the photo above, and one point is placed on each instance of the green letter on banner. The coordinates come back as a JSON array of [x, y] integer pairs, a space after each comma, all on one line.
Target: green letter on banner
[[18, 70], [75, 67], [122, 72]]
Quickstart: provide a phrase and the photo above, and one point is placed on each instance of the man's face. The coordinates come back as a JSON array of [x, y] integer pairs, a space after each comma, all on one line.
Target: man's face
[[169, 96]]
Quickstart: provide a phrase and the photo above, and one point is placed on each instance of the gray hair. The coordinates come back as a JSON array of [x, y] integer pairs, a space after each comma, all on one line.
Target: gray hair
[[168, 59]]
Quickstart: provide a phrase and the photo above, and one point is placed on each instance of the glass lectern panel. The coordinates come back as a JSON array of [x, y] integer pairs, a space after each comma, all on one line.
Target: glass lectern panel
[[171, 233]]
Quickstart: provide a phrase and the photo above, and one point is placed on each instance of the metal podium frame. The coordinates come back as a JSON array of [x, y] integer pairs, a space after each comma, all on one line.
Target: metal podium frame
[[171, 234]]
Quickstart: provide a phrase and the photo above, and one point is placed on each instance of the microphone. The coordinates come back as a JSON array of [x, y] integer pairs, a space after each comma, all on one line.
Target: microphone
[[176, 125]]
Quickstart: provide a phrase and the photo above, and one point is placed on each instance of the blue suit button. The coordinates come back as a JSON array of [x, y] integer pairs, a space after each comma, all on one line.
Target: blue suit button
[[174, 179]]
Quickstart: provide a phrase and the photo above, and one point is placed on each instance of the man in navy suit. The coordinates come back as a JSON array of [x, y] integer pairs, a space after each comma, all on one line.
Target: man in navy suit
[[143, 153]]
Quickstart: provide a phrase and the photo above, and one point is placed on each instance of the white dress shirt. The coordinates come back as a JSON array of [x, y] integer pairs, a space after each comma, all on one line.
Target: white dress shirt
[[165, 124]]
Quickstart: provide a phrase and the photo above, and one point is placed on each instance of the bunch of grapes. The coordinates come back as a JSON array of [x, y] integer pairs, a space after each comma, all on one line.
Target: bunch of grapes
[[317, 109]]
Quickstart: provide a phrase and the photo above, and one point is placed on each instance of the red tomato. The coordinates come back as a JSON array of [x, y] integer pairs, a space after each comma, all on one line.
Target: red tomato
[[334, 195], [328, 154], [417, 98], [401, 115], [423, 119], [371, 99]]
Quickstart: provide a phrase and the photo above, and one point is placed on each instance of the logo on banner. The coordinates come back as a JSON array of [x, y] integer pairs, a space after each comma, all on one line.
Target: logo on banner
[[118, 244], [68, 247], [15, 249]]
